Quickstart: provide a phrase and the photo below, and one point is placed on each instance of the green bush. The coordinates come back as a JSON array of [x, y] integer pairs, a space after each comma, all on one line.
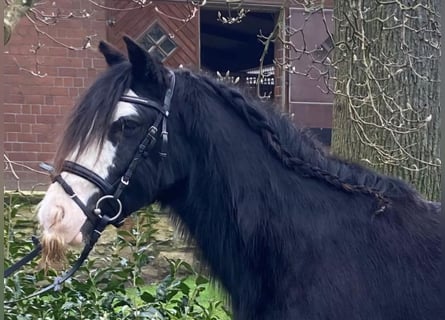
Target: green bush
[[109, 285]]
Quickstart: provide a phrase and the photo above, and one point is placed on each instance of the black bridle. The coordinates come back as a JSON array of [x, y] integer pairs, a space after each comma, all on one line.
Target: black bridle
[[98, 217]]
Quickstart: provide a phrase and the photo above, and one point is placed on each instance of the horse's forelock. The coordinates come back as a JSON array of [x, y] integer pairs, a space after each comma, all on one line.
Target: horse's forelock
[[90, 118]]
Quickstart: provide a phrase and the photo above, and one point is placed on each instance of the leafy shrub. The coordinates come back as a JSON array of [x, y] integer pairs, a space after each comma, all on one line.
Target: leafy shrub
[[109, 285]]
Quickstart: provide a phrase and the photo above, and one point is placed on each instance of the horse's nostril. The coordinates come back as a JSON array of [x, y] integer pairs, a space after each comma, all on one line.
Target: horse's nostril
[[56, 215], [62, 213], [77, 239]]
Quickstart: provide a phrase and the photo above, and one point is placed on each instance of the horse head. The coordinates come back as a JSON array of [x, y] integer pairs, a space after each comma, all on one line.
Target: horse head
[[112, 159]]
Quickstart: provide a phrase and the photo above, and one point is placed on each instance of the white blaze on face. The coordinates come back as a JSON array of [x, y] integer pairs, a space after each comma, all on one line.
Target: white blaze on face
[[59, 216]]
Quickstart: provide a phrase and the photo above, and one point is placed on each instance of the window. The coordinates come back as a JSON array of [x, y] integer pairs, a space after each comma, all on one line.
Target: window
[[155, 39]]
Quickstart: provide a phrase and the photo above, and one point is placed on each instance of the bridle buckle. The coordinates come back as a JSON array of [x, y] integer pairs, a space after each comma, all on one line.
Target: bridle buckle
[[125, 180], [152, 131]]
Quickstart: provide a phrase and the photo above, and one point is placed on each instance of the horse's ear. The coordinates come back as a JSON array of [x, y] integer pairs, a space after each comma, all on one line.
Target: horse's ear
[[112, 55], [144, 65]]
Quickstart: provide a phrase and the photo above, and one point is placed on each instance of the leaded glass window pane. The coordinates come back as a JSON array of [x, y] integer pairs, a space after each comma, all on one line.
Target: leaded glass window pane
[[156, 33], [146, 42], [155, 39], [167, 45]]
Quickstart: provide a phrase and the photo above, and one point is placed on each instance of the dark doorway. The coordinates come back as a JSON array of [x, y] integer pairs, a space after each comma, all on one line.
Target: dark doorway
[[236, 47]]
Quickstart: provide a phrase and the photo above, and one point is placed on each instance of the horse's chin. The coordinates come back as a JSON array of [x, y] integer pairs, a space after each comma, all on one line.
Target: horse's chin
[[77, 240], [54, 248]]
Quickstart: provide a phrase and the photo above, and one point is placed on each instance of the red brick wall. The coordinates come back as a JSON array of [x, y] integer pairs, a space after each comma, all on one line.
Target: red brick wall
[[34, 107]]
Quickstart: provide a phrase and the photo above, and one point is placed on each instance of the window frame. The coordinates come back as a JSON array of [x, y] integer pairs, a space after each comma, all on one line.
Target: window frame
[[157, 44]]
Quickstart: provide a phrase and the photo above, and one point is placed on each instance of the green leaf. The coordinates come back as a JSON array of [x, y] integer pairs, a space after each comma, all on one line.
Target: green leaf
[[152, 314], [147, 297], [200, 280]]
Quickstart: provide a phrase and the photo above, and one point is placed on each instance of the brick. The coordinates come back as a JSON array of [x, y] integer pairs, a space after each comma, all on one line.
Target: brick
[[17, 50], [57, 51], [74, 33], [65, 62], [78, 82], [26, 137], [50, 119], [89, 81], [49, 100], [9, 146], [58, 82], [58, 91], [50, 72], [11, 136], [67, 72], [26, 109], [38, 90], [25, 128], [26, 79], [68, 82], [45, 138], [81, 72], [12, 105], [34, 99], [12, 108], [45, 156], [13, 89], [74, 92], [31, 147], [50, 110], [88, 63], [79, 53], [23, 156], [49, 147], [41, 128], [60, 126], [8, 117], [100, 64], [11, 127], [25, 118], [63, 100], [35, 109]]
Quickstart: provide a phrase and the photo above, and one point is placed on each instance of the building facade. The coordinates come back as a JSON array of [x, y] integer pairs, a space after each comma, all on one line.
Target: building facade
[[48, 65]]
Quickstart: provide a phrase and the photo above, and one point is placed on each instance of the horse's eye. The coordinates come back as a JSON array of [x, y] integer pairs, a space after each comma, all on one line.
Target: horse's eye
[[129, 125]]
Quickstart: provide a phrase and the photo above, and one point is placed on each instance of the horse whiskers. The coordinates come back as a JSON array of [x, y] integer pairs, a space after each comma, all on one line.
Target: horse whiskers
[[53, 252]]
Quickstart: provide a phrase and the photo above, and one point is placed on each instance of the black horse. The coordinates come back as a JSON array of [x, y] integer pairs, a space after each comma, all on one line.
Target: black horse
[[290, 231]]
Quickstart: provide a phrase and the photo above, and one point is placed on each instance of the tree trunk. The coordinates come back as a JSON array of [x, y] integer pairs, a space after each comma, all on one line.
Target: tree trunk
[[386, 106], [13, 12]]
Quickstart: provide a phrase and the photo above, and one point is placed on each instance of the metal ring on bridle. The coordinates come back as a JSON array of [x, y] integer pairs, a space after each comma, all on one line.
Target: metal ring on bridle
[[118, 202]]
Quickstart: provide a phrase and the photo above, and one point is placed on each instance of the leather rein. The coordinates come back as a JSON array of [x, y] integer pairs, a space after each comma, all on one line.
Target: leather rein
[[98, 217]]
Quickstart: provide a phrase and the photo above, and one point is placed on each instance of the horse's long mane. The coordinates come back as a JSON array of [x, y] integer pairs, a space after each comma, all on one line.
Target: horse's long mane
[[293, 147], [298, 151], [89, 119]]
